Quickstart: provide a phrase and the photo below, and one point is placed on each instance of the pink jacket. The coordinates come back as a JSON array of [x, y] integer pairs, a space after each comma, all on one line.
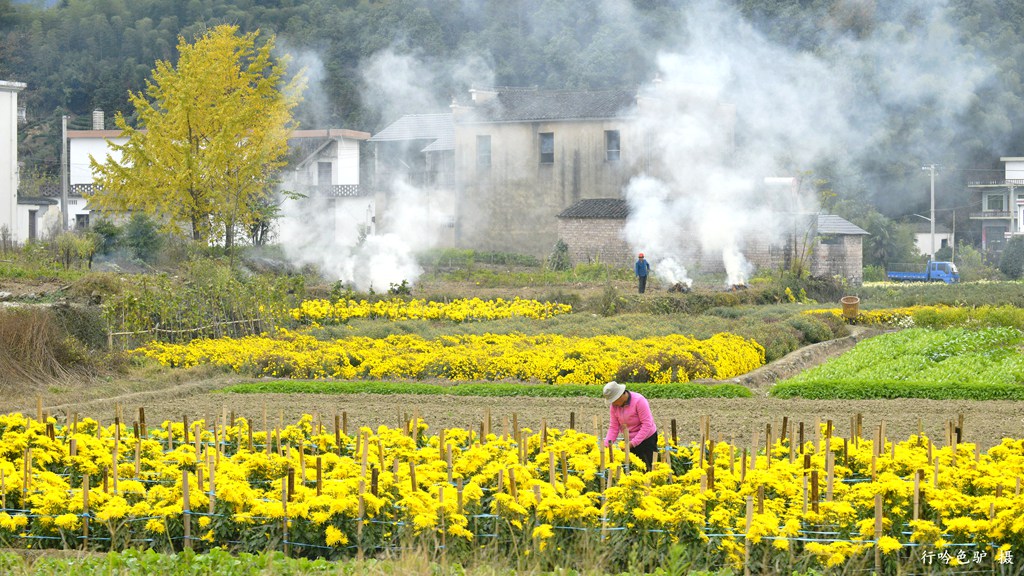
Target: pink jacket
[[634, 415]]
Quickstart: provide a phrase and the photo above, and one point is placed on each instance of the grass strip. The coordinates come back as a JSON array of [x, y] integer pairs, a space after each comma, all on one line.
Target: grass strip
[[679, 390], [889, 390]]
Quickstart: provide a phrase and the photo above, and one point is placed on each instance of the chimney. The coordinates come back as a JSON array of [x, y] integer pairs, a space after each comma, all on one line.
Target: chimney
[[480, 96], [97, 120]]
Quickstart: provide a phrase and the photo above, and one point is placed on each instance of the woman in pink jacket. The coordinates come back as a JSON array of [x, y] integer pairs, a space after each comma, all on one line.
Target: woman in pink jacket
[[631, 411]]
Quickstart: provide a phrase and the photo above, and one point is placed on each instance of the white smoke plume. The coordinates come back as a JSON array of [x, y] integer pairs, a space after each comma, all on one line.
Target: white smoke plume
[[354, 240], [731, 108]]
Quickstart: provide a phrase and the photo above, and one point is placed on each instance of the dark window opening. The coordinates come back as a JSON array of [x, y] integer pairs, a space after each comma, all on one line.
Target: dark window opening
[[32, 224], [995, 202], [547, 148], [323, 173], [483, 151], [612, 146], [81, 221]]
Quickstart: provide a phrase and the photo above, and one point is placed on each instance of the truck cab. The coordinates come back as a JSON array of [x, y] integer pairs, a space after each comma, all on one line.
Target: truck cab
[[943, 272]]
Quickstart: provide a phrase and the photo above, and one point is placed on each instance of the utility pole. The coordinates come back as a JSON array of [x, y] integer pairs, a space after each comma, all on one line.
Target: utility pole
[[931, 247], [64, 173]]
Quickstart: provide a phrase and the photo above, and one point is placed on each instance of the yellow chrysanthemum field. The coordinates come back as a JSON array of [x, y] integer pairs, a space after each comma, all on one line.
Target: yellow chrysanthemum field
[[314, 489]]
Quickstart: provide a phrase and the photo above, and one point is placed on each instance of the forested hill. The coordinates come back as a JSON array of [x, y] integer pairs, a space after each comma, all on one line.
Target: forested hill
[[80, 55]]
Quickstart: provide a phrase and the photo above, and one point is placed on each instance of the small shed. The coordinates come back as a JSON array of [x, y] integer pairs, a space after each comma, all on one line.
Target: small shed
[[592, 229], [839, 249]]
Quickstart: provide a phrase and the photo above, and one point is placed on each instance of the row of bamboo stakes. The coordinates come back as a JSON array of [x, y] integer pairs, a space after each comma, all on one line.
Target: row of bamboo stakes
[[512, 431]]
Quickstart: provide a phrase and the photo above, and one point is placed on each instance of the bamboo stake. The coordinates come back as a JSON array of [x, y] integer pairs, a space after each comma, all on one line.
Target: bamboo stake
[[814, 491], [746, 539], [917, 493], [829, 474], [186, 511], [878, 533], [213, 483], [319, 476], [361, 519], [85, 510]]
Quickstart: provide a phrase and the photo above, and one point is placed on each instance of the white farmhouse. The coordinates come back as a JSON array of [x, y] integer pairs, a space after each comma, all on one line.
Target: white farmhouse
[[9, 225], [323, 170]]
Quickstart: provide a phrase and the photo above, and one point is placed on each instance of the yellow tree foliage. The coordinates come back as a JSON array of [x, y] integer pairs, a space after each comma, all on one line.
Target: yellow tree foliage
[[212, 133]]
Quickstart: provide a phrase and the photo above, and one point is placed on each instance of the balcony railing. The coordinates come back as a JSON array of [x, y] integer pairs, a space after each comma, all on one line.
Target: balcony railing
[[331, 190], [994, 181], [1002, 214]]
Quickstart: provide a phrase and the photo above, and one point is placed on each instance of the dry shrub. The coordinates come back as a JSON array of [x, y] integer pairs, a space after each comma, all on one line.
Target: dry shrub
[[34, 349]]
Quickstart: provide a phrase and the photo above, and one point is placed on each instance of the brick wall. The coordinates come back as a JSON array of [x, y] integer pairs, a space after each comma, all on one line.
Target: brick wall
[[595, 240]]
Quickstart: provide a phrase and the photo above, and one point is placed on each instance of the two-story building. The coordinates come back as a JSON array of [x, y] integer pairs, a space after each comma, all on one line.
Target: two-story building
[[504, 163], [10, 228], [322, 175], [322, 182], [1001, 199]]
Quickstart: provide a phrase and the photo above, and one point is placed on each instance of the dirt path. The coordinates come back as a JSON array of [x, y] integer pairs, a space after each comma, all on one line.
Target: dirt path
[[985, 422]]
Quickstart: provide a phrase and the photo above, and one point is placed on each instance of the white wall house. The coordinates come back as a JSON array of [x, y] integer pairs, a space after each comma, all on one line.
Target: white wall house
[[324, 170], [82, 146], [923, 237], [9, 174]]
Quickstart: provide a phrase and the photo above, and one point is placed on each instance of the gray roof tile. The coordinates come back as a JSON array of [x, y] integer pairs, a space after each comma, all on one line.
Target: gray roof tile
[[597, 208], [526, 105], [832, 224], [418, 127]]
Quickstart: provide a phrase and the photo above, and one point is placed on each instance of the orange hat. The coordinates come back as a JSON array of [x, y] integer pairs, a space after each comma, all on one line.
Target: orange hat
[[641, 255]]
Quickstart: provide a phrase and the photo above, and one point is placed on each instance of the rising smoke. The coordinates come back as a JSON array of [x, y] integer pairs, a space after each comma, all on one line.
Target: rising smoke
[[730, 109], [792, 109], [350, 239]]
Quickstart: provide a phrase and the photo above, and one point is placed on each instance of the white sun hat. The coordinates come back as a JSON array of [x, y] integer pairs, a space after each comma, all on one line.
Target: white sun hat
[[613, 390]]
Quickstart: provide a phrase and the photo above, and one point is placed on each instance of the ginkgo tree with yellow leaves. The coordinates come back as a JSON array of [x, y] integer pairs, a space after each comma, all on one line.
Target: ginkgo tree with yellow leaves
[[212, 132]]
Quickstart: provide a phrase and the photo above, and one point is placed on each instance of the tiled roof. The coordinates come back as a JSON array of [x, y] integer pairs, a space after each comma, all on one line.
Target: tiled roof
[[832, 224], [597, 208], [37, 201], [438, 128], [524, 105], [925, 227]]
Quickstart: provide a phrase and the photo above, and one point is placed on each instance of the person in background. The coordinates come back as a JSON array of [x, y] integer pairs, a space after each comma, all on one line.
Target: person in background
[[630, 410], [642, 268]]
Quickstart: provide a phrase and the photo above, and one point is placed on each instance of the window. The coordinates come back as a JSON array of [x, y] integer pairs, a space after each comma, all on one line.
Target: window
[[81, 221], [32, 224], [831, 239], [547, 148], [612, 149], [483, 151], [323, 173], [995, 202]]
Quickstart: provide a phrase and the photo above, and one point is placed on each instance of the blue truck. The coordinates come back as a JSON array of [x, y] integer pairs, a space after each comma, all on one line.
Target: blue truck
[[933, 272]]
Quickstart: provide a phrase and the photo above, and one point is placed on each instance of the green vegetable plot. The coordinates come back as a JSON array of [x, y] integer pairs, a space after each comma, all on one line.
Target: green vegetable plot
[[954, 363]]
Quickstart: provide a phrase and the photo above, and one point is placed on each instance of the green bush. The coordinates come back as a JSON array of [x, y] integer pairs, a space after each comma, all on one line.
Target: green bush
[[812, 329], [108, 233], [141, 238], [973, 265], [1012, 261], [559, 258], [777, 338], [874, 273]]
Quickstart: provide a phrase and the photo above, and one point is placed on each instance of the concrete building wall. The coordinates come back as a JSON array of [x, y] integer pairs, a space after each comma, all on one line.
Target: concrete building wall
[[513, 203], [9, 173], [83, 144]]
